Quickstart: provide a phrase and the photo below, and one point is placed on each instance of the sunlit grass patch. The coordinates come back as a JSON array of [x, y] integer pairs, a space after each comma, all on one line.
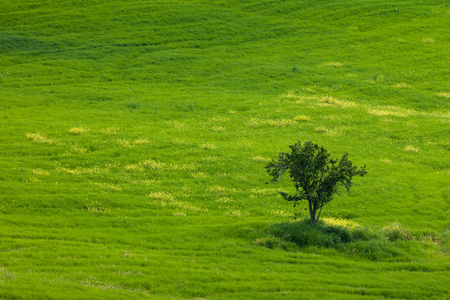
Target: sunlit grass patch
[[140, 141], [385, 161], [375, 78], [186, 206], [321, 129], [298, 98], [78, 150], [40, 172], [224, 200], [336, 131], [134, 167], [177, 125], [124, 143], [162, 195], [291, 95], [402, 85], [107, 186], [397, 39], [131, 143], [158, 165], [337, 117], [217, 190], [110, 130], [199, 175], [221, 174], [168, 199], [341, 223], [391, 111], [410, 148], [208, 146], [219, 119], [178, 214], [78, 130], [96, 207], [82, 171], [428, 40], [244, 143], [331, 101], [210, 158], [40, 138], [302, 118], [333, 64], [218, 129], [444, 94], [178, 142], [147, 182], [281, 213], [259, 158], [256, 123], [387, 120]]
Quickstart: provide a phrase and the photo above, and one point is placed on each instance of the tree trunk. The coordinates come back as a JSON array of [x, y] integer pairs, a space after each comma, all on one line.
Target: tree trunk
[[312, 212]]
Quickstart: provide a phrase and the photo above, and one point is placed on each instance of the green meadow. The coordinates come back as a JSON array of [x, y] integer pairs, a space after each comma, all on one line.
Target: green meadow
[[134, 137]]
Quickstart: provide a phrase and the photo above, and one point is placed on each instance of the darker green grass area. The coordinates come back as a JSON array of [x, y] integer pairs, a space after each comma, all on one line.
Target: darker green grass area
[[392, 242]]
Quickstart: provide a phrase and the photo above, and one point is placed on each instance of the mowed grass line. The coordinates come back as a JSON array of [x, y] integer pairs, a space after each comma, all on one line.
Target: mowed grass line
[[134, 137]]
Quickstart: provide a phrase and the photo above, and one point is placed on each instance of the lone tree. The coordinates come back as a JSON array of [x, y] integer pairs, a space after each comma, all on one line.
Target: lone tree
[[316, 176]]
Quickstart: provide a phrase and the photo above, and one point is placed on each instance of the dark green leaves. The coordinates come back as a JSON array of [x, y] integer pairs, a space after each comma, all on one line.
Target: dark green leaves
[[316, 176]]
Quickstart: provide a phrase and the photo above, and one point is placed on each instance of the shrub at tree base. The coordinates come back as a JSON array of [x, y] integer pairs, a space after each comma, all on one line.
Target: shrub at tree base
[[344, 236], [326, 233], [392, 243]]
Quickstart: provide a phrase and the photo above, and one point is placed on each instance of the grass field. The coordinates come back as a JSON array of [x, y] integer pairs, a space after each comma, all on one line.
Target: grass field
[[134, 135]]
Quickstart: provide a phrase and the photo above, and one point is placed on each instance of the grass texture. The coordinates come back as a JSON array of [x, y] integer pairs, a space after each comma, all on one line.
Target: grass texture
[[134, 135]]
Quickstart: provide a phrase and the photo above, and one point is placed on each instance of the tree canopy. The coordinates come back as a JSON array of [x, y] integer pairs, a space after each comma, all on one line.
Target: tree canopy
[[316, 176]]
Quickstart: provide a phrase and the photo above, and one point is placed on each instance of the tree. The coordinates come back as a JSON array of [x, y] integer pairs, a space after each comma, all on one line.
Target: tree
[[316, 176]]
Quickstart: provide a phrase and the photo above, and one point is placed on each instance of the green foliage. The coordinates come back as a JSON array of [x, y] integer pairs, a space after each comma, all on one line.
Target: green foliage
[[316, 176]]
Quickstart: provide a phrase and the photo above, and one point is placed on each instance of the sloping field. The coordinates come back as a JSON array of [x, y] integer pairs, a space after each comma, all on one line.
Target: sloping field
[[134, 135]]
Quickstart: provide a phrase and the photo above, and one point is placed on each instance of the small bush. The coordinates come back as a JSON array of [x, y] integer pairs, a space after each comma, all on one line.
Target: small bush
[[396, 232]]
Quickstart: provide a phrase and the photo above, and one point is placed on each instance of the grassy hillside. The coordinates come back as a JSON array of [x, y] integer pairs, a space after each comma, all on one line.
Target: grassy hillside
[[134, 135]]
